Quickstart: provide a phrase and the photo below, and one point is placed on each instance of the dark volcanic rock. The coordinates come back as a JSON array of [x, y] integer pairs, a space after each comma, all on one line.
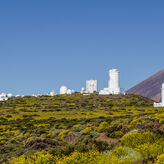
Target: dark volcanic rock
[[150, 87]]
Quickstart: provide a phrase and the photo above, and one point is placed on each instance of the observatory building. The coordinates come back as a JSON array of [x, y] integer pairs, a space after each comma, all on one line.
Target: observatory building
[[65, 90], [113, 84], [91, 86], [4, 96], [162, 98]]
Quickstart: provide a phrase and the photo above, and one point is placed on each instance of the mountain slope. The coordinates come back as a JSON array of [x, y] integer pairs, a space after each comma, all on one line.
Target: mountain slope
[[150, 87]]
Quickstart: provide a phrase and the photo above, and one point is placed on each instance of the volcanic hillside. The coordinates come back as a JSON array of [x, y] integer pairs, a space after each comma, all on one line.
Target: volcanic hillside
[[150, 88]]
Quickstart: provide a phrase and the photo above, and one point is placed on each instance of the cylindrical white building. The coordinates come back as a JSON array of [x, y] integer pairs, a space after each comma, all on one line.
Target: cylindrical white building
[[114, 76], [162, 94]]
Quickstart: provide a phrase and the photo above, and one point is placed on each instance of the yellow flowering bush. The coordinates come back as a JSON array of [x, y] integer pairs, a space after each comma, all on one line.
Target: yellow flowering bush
[[38, 158], [102, 127], [91, 157], [64, 133], [122, 152], [148, 149], [133, 139], [88, 129], [161, 121], [160, 159]]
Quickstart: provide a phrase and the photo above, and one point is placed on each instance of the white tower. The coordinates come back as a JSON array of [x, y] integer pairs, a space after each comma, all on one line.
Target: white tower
[[114, 82], [114, 76], [162, 94], [91, 86]]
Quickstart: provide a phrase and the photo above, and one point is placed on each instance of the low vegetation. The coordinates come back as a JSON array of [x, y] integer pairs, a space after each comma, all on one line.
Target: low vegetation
[[72, 129]]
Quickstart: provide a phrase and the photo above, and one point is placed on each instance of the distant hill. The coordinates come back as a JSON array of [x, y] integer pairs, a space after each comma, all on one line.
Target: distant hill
[[150, 88]]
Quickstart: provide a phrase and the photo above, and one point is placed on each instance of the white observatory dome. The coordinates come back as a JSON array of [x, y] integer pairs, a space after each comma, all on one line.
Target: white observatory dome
[[52, 93], [3, 95], [63, 90], [69, 92]]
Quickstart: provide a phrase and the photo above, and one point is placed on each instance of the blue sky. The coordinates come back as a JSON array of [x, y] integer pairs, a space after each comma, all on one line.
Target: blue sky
[[48, 43]]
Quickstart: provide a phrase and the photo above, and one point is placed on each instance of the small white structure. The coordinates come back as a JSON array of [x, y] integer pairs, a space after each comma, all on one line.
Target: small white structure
[[37, 95], [113, 84], [52, 93], [65, 90], [91, 86], [162, 98], [69, 92], [9, 95], [4, 96], [82, 90]]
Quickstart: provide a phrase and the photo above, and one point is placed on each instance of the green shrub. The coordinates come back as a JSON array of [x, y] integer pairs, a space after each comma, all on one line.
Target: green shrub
[[148, 149], [38, 158], [88, 129], [116, 134], [102, 145], [64, 133], [122, 152], [161, 121], [91, 157], [103, 127]]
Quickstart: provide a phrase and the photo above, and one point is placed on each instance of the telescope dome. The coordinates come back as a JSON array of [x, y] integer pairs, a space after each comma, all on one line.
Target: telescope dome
[[63, 90]]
